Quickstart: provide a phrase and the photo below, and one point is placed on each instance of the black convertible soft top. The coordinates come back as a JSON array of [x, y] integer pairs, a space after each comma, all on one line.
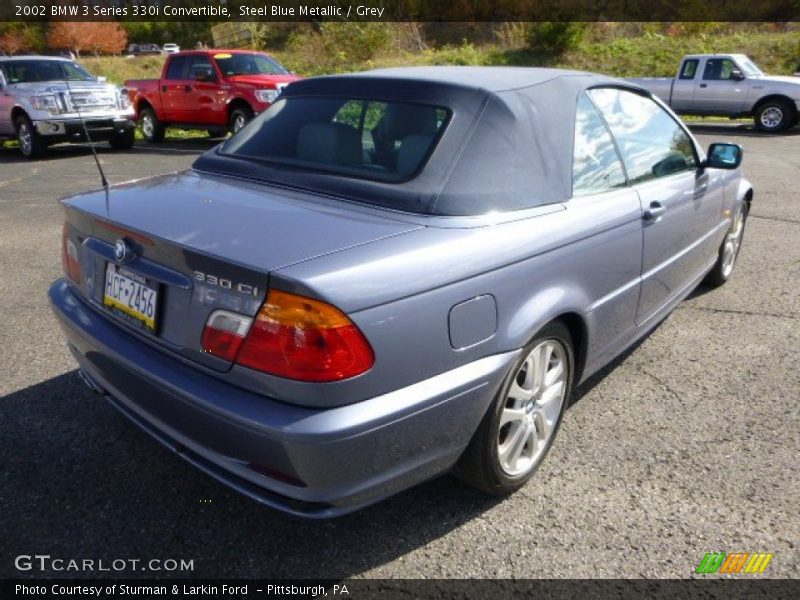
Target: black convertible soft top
[[508, 145]]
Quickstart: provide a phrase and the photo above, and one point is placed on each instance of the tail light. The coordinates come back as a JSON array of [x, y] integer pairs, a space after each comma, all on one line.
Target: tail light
[[224, 333], [304, 339], [69, 256]]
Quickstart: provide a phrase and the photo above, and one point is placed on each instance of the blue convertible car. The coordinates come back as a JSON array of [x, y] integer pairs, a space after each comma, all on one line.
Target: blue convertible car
[[393, 274]]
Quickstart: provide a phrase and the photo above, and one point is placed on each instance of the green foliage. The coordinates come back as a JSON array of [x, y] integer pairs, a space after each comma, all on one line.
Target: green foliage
[[554, 38], [356, 41]]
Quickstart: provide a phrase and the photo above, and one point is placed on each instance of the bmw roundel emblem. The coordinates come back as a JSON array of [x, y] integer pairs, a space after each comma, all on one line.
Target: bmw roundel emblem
[[123, 252]]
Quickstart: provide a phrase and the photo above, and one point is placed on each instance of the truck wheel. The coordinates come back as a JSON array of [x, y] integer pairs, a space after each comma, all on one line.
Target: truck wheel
[[31, 143], [239, 118], [773, 116], [152, 129], [124, 140]]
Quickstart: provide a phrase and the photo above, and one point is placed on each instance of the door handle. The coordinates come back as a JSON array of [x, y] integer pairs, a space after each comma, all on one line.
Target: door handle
[[163, 88], [654, 211], [703, 85], [187, 88]]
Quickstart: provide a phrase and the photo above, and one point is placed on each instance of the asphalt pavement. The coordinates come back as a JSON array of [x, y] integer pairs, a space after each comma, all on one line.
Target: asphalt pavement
[[687, 444]]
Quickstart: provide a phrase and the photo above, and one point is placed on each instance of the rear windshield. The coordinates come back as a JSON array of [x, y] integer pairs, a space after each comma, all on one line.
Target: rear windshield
[[372, 139]]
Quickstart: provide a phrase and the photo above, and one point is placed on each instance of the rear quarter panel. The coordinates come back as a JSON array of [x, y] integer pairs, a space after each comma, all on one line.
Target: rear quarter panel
[[141, 91], [583, 258]]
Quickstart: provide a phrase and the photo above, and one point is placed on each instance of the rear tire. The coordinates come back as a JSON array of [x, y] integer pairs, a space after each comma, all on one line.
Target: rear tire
[[30, 142], [519, 428], [124, 140], [774, 116], [240, 116], [153, 130], [729, 250]]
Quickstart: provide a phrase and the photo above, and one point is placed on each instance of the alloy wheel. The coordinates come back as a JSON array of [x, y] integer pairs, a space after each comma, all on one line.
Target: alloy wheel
[[532, 408], [732, 242]]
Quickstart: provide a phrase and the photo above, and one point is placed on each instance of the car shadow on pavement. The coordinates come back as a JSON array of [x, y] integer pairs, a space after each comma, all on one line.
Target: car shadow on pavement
[[79, 480], [587, 386]]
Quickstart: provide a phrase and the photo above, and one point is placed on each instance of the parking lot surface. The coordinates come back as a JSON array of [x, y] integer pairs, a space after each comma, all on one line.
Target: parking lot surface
[[688, 444]]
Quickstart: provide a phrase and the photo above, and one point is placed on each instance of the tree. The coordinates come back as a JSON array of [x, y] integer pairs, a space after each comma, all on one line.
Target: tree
[[97, 36], [20, 38]]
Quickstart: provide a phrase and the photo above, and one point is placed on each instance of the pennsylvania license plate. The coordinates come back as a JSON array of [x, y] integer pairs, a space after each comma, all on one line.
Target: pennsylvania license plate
[[131, 295]]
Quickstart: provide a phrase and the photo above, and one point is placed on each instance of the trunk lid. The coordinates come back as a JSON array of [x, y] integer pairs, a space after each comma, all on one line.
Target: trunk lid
[[205, 243]]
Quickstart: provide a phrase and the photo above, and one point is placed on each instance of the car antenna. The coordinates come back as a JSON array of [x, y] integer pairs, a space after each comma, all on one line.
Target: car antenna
[[103, 179]]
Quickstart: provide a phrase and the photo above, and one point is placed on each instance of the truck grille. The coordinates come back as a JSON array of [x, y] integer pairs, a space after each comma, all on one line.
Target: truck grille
[[91, 101]]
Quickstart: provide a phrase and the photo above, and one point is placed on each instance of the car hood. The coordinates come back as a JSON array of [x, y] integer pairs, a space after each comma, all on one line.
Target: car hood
[[782, 78], [253, 225], [262, 80]]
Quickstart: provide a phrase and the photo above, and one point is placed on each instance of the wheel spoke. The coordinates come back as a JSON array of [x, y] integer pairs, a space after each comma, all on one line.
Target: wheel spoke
[[513, 444], [512, 415], [555, 374], [541, 359], [550, 404], [543, 425], [511, 451]]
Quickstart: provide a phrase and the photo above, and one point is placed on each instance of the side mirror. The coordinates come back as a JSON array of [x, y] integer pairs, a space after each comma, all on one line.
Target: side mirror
[[2, 80], [102, 79], [724, 156], [737, 75]]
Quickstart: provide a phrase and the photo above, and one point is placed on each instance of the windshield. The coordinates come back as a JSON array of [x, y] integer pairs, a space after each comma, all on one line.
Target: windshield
[[365, 138], [30, 71], [248, 64], [749, 68]]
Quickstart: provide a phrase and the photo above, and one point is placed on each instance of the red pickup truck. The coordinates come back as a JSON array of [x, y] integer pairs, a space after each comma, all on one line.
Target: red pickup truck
[[215, 90]]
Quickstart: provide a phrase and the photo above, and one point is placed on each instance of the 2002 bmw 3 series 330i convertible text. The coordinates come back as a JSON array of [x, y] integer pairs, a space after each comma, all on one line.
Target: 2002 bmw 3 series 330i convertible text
[[391, 274]]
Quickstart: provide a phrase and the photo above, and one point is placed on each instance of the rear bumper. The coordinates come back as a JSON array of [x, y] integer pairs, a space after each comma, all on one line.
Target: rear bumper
[[309, 462], [72, 130]]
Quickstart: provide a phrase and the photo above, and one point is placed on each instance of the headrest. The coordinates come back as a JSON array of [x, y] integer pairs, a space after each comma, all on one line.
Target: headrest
[[329, 143]]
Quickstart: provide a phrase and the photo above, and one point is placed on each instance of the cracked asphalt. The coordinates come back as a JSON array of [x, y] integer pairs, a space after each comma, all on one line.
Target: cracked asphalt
[[685, 445]]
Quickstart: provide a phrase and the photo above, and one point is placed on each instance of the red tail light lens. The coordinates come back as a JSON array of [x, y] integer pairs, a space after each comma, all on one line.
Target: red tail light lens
[[305, 339], [69, 256], [224, 333]]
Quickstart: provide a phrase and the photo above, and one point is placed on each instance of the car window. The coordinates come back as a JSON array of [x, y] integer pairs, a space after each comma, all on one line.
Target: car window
[[176, 68], [596, 165], [651, 141], [719, 68], [359, 137], [689, 68], [200, 65]]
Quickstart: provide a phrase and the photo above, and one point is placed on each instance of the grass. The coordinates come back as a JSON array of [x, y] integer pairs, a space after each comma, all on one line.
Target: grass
[[650, 54]]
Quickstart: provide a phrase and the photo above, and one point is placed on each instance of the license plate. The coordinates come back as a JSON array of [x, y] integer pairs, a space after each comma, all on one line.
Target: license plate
[[129, 294]]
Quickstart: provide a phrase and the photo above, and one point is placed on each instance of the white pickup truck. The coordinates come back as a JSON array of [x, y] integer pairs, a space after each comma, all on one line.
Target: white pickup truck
[[729, 85], [46, 100]]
